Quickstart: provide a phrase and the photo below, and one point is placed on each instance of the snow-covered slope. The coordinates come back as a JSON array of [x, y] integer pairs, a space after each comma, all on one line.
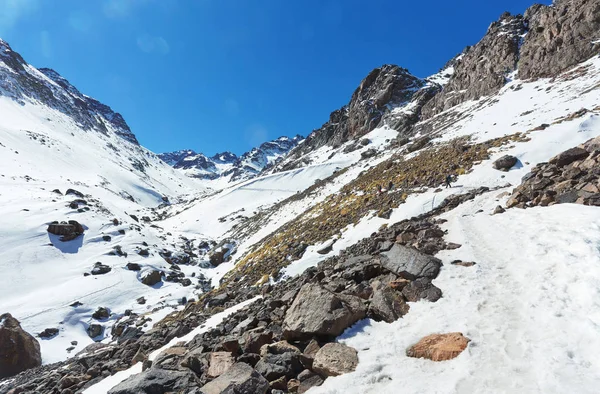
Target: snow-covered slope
[[227, 166]]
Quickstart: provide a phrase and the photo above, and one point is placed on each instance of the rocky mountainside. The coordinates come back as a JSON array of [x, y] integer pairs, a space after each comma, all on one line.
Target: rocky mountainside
[[21, 81], [452, 219], [229, 166]]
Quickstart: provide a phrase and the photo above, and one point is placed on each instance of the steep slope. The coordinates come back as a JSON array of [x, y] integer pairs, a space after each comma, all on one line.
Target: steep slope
[[65, 156], [227, 165]]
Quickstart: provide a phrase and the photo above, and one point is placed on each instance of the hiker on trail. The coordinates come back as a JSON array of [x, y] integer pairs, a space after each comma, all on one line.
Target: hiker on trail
[[390, 186], [448, 181], [378, 189]]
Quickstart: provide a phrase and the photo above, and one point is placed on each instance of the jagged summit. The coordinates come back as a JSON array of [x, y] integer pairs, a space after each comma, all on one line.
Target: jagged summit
[[227, 164], [23, 82]]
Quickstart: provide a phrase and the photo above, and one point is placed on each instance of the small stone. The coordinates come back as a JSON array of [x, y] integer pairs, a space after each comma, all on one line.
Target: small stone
[[439, 347], [498, 210]]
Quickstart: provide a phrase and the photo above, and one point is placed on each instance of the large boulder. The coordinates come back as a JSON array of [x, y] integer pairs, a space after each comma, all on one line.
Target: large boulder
[[569, 156], [18, 349], [151, 278], [319, 312], [387, 304], [240, 378], [439, 347], [505, 163], [156, 381], [421, 289], [335, 359], [409, 263]]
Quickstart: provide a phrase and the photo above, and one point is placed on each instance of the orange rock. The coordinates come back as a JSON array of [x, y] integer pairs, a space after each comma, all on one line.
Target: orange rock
[[439, 347]]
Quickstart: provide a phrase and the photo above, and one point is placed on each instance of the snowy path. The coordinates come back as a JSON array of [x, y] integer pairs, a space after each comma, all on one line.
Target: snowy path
[[530, 305]]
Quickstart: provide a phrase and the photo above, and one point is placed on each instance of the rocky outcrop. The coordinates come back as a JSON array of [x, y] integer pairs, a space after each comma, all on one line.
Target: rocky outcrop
[[18, 349], [560, 36], [439, 347], [380, 99], [572, 176], [483, 68]]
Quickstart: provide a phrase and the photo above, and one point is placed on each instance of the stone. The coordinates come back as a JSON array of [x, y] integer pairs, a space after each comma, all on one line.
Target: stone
[[252, 341], [335, 359], [505, 163], [48, 333], [217, 258], [94, 330], [421, 289], [308, 380], [387, 304], [151, 278], [219, 363], [409, 263], [498, 210], [569, 156], [463, 263], [156, 381], [274, 366], [101, 314], [278, 348], [74, 192], [100, 269], [439, 347], [240, 378], [19, 350], [319, 312], [133, 267]]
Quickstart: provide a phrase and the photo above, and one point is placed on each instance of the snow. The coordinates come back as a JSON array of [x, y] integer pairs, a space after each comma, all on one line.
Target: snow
[[105, 385]]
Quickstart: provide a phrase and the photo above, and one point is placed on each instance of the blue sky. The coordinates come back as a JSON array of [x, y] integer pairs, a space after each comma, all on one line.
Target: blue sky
[[215, 75]]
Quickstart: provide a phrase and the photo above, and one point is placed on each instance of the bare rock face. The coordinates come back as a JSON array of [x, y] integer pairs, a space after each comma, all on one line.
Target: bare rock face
[[439, 347], [371, 106], [240, 378], [18, 349], [335, 359], [483, 68], [317, 311], [560, 36]]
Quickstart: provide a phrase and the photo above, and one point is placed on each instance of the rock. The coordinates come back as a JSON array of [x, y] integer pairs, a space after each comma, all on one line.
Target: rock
[[219, 363], [18, 349], [421, 289], [498, 210], [74, 192], [156, 381], [48, 333], [278, 348], [100, 269], [240, 378], [94, 330], [308, 379], [144, 252], [141, 300], [439, 347], [68, 231], [151, 278], [569, 156], [252, 341], [387, 304], [133, 267], [101, 314], [317, 311], [409, 263], [275, 366], [106, 238], [505, 163], [335, 359], [463, 263], [218, 300], [216, 258]]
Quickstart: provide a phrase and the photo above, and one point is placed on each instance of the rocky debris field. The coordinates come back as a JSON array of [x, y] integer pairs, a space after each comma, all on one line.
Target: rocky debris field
[[285, 340], [570, 177]]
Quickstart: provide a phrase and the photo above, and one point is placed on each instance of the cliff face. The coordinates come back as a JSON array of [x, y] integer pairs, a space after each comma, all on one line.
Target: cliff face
[[560, 36]]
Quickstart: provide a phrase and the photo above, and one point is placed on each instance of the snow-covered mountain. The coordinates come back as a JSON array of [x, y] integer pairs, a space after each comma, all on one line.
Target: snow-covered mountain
[[227, 165], [348, 265]]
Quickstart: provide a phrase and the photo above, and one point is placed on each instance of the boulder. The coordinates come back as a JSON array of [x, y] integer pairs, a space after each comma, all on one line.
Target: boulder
[[335, 359], [94, 330], [240, 378], [439, 347], [505, 163], [278, 348], [219, 363], [308, 379], [217, 258], [18, 349], [156, 381], [74, 192], [48, 333], [319, 312], [100, 269], [387, 304], [133, 267], [275, 366], [409, 263], [151, 278], [569, 156], [101, 314], [421, 289]]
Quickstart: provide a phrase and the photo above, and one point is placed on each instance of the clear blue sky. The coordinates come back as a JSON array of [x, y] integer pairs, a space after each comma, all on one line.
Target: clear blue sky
[[216, 75]]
